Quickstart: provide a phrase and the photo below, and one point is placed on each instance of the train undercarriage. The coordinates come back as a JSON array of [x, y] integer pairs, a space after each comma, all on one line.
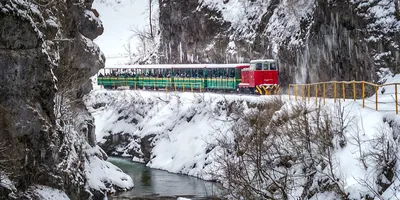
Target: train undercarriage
[[258, 90]]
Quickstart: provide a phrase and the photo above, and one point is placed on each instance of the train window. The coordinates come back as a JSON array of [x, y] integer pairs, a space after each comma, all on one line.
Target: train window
[[266, 66], [273, 66], [259, 66], [253, 66]]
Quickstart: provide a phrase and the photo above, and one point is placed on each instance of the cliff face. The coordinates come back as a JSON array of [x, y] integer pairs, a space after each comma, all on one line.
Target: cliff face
[[187, 29], [47, 58], [313, 40]]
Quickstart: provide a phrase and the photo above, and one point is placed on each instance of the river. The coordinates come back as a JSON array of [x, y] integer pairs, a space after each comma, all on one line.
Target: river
[[159, 184]]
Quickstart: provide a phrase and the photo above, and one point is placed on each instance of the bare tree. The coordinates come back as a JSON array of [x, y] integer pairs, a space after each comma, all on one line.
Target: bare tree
[[277, 150]]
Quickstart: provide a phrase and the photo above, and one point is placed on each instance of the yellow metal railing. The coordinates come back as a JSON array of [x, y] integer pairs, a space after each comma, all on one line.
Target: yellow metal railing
[[341, 94]]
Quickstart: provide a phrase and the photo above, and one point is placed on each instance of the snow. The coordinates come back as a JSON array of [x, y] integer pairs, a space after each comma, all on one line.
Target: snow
[[48, 193], [100, 172], [6, 182], [95, 172], [30, 12], [383, 13], [325, 195], [180, 144], [284, 23], [90, 15], [186, 125], [382, 24], [232, 11]]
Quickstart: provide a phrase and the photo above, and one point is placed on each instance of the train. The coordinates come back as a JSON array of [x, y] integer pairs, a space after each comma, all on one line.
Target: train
[[256, 77]]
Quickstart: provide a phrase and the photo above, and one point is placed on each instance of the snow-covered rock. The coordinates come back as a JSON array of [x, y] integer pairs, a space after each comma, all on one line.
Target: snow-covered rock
[[170, 131], [48, 193], [47, 134]]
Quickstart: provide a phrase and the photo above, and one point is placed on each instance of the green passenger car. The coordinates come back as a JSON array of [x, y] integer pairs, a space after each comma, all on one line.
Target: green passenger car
[[182, 77]]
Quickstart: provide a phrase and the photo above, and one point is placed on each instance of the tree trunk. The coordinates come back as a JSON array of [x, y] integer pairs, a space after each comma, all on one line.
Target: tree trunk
[[150, 20], [397, 9]]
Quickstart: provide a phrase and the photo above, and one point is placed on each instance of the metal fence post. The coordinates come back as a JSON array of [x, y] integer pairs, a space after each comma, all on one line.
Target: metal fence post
[[316, 94], [376, 97], [354, 91], [334, 91], [343, 92], [363, 94], [324, 92]]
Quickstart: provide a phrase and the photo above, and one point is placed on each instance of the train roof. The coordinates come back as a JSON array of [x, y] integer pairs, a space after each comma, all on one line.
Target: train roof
[[177, 66], [268, 60]]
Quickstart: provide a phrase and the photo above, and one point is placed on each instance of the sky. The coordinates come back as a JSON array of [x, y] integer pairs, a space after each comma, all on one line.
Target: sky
[[118, 21]]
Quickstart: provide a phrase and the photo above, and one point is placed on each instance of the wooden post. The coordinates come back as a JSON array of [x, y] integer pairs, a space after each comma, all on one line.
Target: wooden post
[[154, 86], [309, 93], [303, 92], [296, 87], [288, 89]]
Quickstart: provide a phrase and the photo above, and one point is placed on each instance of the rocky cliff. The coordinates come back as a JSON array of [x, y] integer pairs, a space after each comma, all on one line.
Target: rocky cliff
[[313, 40], [47, 136]]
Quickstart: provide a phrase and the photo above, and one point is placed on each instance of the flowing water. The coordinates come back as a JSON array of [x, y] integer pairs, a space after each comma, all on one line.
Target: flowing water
[[159, 184]]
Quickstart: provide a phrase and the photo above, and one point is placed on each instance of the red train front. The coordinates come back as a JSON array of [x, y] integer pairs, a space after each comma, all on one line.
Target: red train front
[[261, 77]]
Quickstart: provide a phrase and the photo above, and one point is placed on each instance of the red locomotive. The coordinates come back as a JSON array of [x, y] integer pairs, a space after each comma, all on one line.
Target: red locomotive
[[261, 77]]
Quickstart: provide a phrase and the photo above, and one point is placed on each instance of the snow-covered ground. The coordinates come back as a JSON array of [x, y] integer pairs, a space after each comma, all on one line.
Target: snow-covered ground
[[184, 124], [48, 193], [185, 127]]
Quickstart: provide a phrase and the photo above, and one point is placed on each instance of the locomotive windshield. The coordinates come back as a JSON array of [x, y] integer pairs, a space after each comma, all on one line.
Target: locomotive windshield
[[256, 66], [273, 66], [263, 65]]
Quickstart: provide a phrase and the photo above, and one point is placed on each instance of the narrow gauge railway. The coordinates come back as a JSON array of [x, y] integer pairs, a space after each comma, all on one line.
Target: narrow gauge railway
[[257, 77]]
